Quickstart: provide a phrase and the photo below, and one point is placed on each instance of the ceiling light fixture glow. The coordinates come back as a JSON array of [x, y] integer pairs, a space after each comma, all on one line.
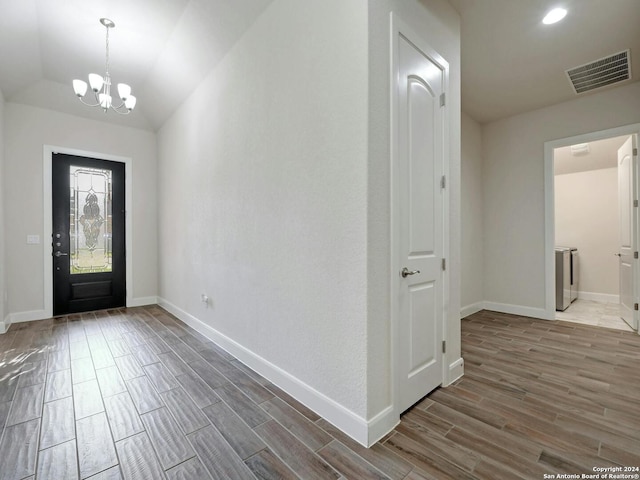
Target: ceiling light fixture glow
[[101, 86], [554, 16]]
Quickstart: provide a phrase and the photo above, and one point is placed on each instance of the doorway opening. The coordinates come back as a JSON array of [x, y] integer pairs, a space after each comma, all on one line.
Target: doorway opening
[[97, 247], [88, 234], [591, 182]]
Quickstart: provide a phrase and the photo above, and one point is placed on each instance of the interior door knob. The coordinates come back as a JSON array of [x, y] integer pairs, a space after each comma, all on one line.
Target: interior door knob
[[406, 272]]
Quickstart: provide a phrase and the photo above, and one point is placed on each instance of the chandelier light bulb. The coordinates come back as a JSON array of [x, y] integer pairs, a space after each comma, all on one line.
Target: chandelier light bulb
[[96, 81], [105, 100], [124, 91], [79, 87], [130, 102], [101, 85]]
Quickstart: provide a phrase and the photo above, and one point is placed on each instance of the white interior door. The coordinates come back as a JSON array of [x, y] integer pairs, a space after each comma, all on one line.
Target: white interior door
[[420, 158], [628, 228]]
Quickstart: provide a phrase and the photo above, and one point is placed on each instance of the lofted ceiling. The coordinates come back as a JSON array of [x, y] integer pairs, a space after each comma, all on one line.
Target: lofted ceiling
[[512, 63], [162, 48]]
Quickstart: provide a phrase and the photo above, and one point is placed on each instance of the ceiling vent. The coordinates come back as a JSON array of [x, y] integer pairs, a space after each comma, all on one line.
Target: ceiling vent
[[606, 71]]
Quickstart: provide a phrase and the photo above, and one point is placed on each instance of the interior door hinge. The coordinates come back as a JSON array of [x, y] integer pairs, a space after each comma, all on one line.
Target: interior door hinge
[[635, 150], [635, 306], [635, 203], [443, 182], [444, 344], [444, 264], [443, 101], [635, 254]]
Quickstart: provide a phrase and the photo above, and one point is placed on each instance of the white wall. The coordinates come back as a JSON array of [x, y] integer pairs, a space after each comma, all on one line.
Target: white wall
[[3, 310], [586, 207], [275, 201], [27, 130], [472, 256], [263, 205], [513, 153]]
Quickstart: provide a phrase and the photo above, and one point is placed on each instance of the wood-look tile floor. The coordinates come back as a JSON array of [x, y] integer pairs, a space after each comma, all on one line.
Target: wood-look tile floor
[[136, 394]]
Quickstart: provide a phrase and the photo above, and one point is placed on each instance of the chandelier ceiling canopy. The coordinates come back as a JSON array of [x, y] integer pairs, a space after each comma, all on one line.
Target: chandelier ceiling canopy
[[101, 86]]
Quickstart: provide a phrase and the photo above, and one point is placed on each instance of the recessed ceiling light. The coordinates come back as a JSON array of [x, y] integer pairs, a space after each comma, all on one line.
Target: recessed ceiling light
[[554, 16]]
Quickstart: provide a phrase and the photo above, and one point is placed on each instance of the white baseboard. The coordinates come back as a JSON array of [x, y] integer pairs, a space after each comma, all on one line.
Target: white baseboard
[[599, 297], [518, 310], [142, 301], [31, 316], [456, 371], [4, 325], [471, 309], [380, 425], [362, 431]]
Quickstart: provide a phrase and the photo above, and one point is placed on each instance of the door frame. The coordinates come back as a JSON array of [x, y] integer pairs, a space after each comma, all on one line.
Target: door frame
[[549, 209], [48, 152], [400, 28]]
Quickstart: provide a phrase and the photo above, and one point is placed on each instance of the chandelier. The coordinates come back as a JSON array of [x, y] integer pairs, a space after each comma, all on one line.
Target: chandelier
[[101, 86]]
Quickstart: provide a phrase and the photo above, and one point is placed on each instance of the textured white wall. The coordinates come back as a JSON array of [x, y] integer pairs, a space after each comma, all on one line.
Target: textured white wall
[[472, 274], [439, 23], [586, 207], [262, 187], [3, 310], [513, 153], [27, 129]]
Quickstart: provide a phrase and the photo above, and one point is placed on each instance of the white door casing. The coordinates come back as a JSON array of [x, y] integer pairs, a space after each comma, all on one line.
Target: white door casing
[[627, 171], [418, 217]]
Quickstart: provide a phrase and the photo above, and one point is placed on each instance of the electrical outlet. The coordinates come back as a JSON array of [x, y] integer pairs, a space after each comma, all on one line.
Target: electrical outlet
[[205, 299], [33, 239]]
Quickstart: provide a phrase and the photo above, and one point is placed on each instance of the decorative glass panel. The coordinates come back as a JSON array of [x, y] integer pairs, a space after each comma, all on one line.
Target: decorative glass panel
[[90, 220]]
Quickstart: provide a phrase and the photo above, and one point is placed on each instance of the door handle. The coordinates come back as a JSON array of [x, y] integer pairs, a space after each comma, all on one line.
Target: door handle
[[60, 254], [406, 272], [618, 254]]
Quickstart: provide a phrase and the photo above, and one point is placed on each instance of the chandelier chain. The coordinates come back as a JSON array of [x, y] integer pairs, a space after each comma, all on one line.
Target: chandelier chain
[[107, 56]]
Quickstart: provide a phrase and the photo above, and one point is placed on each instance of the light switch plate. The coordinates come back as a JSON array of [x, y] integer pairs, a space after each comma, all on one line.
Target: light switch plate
[[33, 239]]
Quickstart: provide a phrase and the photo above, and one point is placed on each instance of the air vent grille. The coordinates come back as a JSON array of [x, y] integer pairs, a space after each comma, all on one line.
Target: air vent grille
[[606, 71]]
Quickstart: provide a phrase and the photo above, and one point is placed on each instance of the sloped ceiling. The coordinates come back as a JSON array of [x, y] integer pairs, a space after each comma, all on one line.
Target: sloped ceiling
[[162, 48], [512, 63]]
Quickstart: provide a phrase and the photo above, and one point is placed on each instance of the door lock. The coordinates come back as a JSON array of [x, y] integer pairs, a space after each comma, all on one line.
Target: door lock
[[406, 272]]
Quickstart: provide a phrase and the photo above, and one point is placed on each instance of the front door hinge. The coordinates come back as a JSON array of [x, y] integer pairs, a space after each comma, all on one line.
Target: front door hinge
[[443, 182], [444, 264], [635, 306], [444, 346], [443, 100]]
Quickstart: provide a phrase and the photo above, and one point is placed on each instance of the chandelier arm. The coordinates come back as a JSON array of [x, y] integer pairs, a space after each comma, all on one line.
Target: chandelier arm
[[87, 103], [119, 106], [119, 112]]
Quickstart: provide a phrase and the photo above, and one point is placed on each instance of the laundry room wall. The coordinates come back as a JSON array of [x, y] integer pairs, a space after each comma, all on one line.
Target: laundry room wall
[[587, 218]]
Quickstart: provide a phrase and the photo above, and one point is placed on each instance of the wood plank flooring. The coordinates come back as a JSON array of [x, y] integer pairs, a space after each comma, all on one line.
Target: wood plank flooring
[[137, 394]]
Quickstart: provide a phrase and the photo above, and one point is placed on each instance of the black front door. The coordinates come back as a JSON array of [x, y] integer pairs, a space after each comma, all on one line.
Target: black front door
[[88, 234]]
